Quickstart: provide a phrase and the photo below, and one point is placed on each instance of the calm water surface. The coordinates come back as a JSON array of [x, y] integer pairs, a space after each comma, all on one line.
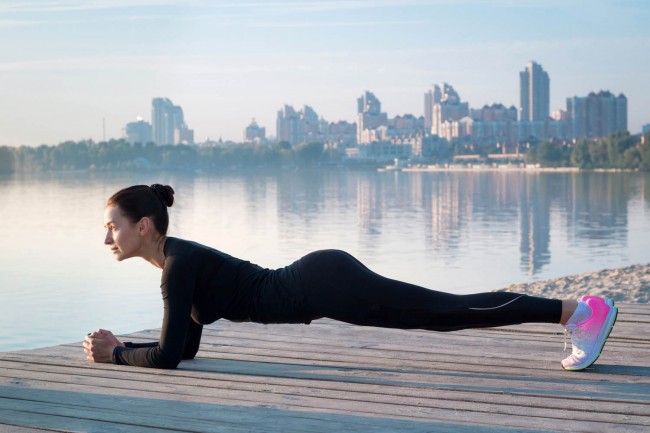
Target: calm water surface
[[454, 231]]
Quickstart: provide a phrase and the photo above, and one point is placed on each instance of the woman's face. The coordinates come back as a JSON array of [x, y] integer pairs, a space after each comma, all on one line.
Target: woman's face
[[122, 236]]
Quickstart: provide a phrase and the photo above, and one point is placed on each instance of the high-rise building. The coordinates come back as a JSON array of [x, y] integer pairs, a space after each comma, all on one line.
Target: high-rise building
[[534, 93], [449, 108], [297, 127], [406, 124], [597, 115], [494, 113], [160, 109], [288, 125], [254, 133], [493, 124], [168, 123], [369, 115], [309, 125], [138, 132], [183, 135], [368, 103], [432, 97], [339, 134]]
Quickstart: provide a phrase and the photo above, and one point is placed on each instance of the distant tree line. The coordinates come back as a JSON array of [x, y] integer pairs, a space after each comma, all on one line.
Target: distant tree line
[[620, 151], [120, 155]]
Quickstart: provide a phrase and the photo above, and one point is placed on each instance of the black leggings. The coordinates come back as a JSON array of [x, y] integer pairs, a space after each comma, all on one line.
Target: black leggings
[[338, 286]]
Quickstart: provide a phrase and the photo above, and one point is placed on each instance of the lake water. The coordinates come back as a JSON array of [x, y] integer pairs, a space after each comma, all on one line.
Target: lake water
[[461, 232]]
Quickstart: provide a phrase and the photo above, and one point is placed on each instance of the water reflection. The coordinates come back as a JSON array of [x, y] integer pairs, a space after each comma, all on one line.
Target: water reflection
[[600, 211], [448, 209], [535, 223]]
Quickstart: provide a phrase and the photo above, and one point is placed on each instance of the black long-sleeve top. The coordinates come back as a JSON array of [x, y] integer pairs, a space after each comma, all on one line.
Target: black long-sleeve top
[[199, 286]]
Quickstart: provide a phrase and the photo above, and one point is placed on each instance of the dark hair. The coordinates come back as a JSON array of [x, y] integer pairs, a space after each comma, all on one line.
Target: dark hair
[[139, 201]]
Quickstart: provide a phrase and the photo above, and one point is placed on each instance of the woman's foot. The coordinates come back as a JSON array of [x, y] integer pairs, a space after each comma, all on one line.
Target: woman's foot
[[589, 335]]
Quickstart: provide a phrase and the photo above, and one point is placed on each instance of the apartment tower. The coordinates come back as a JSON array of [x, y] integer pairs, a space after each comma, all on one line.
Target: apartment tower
[[534, 96], [168, 123]]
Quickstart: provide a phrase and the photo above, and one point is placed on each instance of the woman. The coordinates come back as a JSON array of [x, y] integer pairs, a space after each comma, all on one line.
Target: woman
[[201, 285]]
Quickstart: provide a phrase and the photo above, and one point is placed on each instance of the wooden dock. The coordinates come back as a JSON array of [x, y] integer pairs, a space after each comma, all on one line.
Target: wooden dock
[[333, 377]]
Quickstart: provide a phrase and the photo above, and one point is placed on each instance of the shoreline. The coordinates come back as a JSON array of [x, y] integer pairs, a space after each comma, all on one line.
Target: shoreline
[[478, 168], [502, 167], [626, 284]]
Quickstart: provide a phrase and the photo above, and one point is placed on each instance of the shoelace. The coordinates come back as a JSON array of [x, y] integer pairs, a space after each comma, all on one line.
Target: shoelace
[[568, 333]]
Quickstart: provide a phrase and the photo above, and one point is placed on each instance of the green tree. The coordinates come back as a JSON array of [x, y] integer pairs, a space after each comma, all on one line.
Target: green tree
[[580, 156], [531, 155], [6, 160], [550, 154], [284, 145], [309, 154], [631, 158], [179, 157], [598, 154], [285, 153], [71, 155], [617, 145], [644, 153]]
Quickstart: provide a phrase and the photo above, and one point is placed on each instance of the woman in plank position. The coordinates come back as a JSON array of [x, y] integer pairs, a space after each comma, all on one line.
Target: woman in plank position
[[201, 285]]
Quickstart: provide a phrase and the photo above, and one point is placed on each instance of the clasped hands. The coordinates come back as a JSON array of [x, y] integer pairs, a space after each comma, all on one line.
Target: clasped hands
[[99, 345]]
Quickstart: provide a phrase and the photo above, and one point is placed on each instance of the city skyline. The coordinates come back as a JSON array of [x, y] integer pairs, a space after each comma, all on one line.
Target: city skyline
[[71, 68]]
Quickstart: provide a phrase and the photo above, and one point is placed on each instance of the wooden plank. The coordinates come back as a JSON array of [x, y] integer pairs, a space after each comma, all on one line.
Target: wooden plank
[[35, 421], [330, 376], [562, 403], [142, 414], [384, 390], [488, 414], [427, 362], [6, 428], [486, 384], [426, 350], [257, 419]]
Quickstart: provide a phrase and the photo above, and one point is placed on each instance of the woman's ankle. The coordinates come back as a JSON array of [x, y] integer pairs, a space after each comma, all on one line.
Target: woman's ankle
[[569, 307]]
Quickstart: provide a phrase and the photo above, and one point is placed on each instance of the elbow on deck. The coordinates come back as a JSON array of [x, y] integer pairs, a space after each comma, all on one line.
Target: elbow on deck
[[190, 354], [167, 362]]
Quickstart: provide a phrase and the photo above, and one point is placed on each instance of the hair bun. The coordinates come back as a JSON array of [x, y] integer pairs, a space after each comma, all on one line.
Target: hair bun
[[165, 193]]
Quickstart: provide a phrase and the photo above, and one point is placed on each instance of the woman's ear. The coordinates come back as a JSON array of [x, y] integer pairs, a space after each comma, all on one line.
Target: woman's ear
[[144, 225]]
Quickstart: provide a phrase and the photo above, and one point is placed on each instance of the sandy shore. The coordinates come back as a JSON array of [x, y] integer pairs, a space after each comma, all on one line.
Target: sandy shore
[[629, 284]]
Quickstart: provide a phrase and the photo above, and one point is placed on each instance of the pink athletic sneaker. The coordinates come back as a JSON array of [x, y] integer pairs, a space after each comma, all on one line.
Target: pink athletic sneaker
[[589, 336], [595, 298]]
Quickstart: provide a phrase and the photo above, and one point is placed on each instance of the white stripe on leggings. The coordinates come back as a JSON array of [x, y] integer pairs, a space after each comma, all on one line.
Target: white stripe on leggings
[[500, 306]]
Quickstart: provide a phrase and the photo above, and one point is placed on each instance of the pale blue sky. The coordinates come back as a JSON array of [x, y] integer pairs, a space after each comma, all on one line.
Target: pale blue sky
[[67, 64]]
